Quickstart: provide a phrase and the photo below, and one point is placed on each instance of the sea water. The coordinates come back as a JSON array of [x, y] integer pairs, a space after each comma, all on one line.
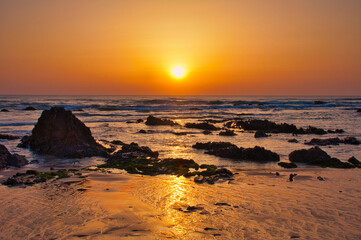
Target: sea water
[[108, 118]]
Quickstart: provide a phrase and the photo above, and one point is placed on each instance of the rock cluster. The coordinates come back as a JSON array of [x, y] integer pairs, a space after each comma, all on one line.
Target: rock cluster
[[8, 137], [229, 150]]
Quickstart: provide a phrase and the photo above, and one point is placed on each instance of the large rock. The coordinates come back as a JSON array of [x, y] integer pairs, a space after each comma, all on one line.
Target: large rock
[[316, 156], [59, 133], [154, 121], [229, 150], [8, 137], [333, 141], [8, 159]]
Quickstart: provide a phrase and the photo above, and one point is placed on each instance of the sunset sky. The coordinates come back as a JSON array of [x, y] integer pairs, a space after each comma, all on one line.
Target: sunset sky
[[233, 47]]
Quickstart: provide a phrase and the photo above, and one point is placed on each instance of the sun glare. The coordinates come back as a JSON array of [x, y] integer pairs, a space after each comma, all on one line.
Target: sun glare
[[178, 72]]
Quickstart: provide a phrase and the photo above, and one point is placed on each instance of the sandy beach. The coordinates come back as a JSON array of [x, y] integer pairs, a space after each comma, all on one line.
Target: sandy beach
[[256, 205]]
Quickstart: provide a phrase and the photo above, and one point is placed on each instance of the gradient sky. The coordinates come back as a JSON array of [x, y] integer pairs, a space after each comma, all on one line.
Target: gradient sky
[[233, 47]]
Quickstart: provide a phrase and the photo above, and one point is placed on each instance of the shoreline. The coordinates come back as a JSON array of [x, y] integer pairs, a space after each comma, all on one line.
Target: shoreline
[[256, 205]]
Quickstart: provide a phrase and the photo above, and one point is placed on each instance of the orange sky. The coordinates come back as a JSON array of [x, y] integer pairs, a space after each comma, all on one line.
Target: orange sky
[[228, 47]]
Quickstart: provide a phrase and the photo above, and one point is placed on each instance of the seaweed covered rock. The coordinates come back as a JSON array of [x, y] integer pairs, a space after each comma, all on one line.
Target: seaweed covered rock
[[229, 150], [59, 133], [202, 126], [316, 156], [8, 159], [4, 110], [133, 150], [154, 121]]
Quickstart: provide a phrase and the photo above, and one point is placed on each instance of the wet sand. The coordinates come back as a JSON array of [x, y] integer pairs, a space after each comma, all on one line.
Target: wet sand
[[256, 205]]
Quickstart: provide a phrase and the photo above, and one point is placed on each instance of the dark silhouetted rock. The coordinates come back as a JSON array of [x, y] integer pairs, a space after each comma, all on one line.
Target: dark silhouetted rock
[[359, 110], [30, 109], [142, 131], [260, 134], [227, 132], [335, 131], [319, 102], [294, 140], [324, 142], [195, 109], [59, 133], [287, 165], [354, 162], [203, 126], [333, 141], [4, 110], [310, 130], [117, 142], [8, 137], [320, 178], [133, 150], [292, 175], [351, 140], [8, 159], [316, 156], [207, 132], [264, 125], [229, 150], [140, 120], [154, 121]]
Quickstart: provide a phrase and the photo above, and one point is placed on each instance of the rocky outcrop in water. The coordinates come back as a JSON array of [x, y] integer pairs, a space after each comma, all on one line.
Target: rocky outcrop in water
[[132, 150], [7, 159], [59, 133], [261, 134], [333, 141], [4, 110], [227, 132], [272, 127], [229, 150], [316, 156], [287, 165], [8, 137], [202, 126], [354, 162], [154, 121], [30, 109]]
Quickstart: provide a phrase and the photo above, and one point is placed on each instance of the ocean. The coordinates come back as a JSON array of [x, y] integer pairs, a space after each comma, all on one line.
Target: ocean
[[114, 118]]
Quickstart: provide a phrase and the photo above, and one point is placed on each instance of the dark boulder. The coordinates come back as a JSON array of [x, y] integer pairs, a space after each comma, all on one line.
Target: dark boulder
[[203, 126], [206, 132], [227, 132], [354, 162], [8, 159], [154, 121], [140, 120], [287, 165], [294, 140], [261, 134], [4, 110], [359, 110], [351, 140], [142, 131], [133, 150], [8, 137], [229, 150], [319, 102], [324, 142], [30, 109], [264, 125], [59, 133], [316, 156], [117, 142]]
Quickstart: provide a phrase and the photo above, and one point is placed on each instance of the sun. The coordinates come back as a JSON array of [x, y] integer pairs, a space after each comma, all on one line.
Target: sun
[[178, 72]]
